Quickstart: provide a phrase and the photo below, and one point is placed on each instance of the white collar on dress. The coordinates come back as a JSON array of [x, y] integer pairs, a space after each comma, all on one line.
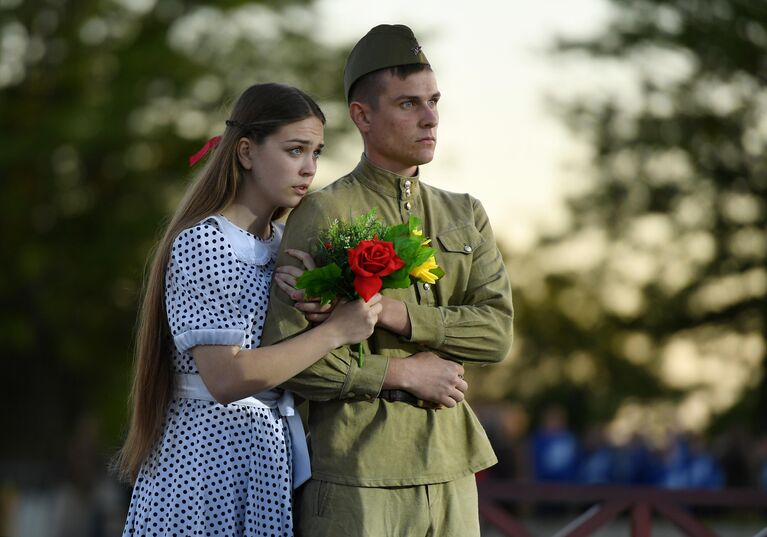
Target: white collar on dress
[[247, 248]]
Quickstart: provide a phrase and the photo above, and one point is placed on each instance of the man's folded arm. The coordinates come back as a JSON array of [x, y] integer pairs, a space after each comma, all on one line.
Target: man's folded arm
[[480, 329]]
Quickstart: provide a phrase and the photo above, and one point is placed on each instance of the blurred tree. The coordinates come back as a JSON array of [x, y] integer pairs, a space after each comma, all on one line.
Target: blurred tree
[[658, 289], [101, 102]]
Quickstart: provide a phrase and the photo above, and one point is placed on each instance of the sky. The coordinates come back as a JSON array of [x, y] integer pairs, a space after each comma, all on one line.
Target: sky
[[497, 140]]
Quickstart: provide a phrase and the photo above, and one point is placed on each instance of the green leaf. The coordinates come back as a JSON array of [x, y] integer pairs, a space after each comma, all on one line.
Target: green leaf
[[409, 250], [397, 280], [423, 255], [323, 282], [400, 230], [438, 272], [413, 223]]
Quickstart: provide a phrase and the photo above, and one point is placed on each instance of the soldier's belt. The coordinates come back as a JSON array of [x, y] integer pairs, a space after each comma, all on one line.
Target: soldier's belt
[[401, 396]]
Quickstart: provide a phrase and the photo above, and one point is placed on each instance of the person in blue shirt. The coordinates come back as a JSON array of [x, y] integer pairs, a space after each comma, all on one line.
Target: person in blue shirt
[[555, 448]]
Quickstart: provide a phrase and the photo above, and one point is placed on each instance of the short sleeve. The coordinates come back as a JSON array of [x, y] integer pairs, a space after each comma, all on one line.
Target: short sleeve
[[202, 289]]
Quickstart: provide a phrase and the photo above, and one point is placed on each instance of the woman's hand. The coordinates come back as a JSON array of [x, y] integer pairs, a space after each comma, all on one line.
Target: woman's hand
[[286, 276], [354, 321]]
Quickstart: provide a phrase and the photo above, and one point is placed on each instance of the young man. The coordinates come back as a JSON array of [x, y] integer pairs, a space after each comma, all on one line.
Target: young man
[[384, 462]]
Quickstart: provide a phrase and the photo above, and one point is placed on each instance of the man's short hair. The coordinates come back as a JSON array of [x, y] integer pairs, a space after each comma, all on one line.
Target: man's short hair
[[368, 88]]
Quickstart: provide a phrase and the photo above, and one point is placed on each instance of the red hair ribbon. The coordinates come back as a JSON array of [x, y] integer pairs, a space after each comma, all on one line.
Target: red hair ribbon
[[210, 144]]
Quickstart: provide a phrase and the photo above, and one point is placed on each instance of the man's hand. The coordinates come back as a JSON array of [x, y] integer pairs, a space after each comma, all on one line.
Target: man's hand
[[428, 377], [394, 317]]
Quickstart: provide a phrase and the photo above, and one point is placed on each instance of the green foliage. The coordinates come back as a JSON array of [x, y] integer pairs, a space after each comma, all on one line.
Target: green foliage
[[335, 277], [676, 208], [333, 246], [410, 249], [325, 283], [101, 103], [341, 236]]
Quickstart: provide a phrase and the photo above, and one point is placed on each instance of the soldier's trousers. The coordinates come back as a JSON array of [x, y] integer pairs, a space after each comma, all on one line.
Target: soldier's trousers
[[327, 509]]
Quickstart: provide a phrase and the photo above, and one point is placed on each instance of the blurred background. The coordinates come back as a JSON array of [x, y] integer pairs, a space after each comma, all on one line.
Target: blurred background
[[618, 146]]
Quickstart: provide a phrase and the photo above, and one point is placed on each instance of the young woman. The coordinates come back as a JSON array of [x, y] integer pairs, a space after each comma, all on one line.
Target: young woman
[[207, 455]]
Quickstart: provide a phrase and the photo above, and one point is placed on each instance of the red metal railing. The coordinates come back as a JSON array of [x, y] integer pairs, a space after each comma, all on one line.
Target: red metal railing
[[608, 502]]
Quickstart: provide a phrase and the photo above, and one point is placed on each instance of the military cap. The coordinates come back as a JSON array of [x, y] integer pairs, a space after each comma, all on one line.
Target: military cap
[[386, 45]]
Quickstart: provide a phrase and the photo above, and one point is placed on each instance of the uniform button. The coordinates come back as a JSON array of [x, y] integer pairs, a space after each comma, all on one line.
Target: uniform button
[[407, 184], [426, 287], [407, 192], [351, 394], [467, 248], [407, 205]]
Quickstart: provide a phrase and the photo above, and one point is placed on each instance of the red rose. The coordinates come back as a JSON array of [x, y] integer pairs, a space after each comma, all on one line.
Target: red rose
[[370, 261]]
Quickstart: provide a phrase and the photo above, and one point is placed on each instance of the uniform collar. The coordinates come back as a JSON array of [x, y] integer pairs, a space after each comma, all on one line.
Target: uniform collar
[[384, 181]]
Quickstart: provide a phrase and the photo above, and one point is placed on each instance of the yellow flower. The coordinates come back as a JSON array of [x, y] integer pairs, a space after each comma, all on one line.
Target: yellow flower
[[422, 271], [419, 233]]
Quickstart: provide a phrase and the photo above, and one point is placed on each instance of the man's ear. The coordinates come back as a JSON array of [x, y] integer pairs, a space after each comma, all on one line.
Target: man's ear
[[360, 114], [244, 146]]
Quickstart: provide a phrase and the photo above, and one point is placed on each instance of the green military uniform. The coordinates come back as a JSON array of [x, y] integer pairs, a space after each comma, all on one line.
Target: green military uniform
[[372, 458], [357, 438]]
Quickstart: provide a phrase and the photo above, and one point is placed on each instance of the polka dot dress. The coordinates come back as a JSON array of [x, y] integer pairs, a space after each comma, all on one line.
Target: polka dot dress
[[217, 469]]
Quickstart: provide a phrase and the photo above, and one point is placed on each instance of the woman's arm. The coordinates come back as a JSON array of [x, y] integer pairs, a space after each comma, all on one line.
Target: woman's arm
[[231, 373]]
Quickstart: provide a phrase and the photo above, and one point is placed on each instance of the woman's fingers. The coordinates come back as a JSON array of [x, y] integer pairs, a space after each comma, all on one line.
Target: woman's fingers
[[313, 307], [286, 278], [314, 311], [295, 272], [316, 317], [286, 283], [304, 257]]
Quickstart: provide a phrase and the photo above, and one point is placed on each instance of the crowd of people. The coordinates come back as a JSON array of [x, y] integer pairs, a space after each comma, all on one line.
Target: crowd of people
[[551, 451]]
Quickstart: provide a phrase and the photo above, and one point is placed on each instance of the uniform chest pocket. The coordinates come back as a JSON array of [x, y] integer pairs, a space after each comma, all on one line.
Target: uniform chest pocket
[[464, 239]]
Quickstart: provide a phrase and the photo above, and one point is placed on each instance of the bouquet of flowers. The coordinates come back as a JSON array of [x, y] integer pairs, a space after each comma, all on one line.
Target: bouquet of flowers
[[361, 257]]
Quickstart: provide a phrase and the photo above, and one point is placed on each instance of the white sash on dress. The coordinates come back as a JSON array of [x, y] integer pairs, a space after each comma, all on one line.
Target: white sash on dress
[[191, 386]]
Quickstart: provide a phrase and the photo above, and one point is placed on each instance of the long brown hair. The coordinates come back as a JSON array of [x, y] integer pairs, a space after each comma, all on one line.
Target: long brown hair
[[260, 111]]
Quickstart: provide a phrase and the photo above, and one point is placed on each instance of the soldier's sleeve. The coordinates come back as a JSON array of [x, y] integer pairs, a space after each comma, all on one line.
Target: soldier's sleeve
[[480, 329], [336, 375]]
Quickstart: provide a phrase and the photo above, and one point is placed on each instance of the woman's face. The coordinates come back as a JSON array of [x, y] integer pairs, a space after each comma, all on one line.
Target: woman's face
[[283, 166]]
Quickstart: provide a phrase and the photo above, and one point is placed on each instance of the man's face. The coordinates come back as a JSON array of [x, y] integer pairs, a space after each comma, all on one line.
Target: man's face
[[402, 130]]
